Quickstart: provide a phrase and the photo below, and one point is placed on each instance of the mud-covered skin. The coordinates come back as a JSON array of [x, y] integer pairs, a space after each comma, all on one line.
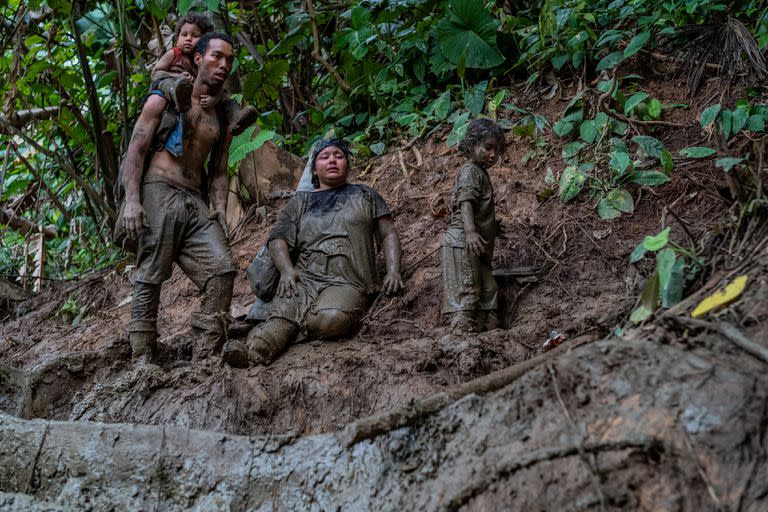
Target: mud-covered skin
[[169, 217], [469, 288]]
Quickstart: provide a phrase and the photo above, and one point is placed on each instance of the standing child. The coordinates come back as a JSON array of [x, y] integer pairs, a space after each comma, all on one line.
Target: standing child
[[174, 73], [469, 288]]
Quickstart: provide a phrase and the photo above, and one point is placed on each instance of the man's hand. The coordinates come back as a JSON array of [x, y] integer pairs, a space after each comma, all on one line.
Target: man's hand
[[206, 101], [286, 287], [134, 220], [474, 243], [393, 283]]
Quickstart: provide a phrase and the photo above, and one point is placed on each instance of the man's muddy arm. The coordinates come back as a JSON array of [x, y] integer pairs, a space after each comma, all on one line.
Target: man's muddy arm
[[390, 241], [220, 182], [473, 241], [278, 249], [134, 219]]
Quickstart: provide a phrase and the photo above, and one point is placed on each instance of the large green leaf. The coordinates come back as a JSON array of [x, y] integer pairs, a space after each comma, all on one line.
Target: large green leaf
[[562, 128], [665, 260], [588, 132], [672, 293], [728, 163], [610, 61], [651, 146], [709, 114], [619, 161], [606, 210], [571, 183], [640, 314], [159, 8], [650, 295], [697, 152], [622, 200], [637, 253], [468, 34], [756, 123], [243, 144], [636, 43], [649, 178], [442, 105], [634, 101], [658, 241], [571, 149], [740, 116]]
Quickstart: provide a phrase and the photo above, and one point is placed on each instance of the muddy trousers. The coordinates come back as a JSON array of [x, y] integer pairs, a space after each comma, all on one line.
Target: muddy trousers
[[209, 326]]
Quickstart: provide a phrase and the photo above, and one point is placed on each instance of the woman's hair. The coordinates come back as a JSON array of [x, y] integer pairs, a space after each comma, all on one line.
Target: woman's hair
[[321, 145], [202, 21], [478, 130]]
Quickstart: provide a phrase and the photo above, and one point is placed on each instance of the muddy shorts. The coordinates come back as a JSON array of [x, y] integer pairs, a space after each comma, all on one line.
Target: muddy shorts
[[307, 300], [181, 229], [468, 284]]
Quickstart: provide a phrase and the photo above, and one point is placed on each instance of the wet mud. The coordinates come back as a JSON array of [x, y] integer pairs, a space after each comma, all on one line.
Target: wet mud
[[667, 417], [628, 424]]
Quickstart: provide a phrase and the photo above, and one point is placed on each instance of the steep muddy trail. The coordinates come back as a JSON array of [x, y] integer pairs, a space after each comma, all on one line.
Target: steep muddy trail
[[665, 418]]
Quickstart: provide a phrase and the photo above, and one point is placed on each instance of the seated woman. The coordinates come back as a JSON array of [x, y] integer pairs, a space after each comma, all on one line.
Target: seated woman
[[331, 233]]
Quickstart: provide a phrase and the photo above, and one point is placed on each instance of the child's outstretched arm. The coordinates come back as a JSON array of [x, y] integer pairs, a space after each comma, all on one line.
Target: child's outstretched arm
[[474, 243]]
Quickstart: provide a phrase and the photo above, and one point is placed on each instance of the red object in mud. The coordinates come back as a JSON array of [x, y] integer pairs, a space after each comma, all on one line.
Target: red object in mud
[[555, 339]]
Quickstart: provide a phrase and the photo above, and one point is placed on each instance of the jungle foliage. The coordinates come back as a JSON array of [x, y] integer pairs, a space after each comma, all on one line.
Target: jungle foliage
[[378, 72]]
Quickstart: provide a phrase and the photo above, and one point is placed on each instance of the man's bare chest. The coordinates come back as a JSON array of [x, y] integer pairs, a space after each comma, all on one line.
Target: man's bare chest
[[201, 128]]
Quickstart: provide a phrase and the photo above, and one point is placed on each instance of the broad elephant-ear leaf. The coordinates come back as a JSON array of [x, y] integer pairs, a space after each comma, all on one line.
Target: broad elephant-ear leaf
[[469, 33]]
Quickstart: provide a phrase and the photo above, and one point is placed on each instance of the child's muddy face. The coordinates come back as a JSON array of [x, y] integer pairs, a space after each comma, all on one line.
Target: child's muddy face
[[486, 152], [188, 37]]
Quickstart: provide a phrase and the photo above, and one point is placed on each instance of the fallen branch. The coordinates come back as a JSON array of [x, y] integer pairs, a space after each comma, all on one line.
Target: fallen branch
[[20, 118], [24, 225], [368, 428], [728, 331]]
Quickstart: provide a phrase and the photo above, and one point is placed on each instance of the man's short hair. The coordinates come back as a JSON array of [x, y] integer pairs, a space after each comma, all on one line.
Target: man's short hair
[[202, 43], [202, 21]]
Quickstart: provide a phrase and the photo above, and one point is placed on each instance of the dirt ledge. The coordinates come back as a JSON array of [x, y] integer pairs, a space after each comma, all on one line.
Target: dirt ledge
[[635, 423]]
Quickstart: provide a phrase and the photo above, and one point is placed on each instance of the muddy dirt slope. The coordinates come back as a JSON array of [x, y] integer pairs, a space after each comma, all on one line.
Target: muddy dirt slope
[[670, 415]]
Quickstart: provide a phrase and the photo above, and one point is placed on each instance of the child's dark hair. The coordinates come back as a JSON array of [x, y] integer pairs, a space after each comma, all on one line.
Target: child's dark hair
[[202, 21], [478, 130], [202, 43]]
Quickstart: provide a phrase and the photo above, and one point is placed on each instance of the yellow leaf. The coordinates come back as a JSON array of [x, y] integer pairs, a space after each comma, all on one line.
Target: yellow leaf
[[721, 297]]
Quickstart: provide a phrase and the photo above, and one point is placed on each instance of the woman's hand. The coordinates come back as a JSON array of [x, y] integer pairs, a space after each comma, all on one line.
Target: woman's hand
[[286, 287], [393, 283], [475, 244]]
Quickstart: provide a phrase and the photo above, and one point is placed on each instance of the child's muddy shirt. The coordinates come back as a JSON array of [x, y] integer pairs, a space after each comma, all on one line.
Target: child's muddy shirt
[[474, 185]]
